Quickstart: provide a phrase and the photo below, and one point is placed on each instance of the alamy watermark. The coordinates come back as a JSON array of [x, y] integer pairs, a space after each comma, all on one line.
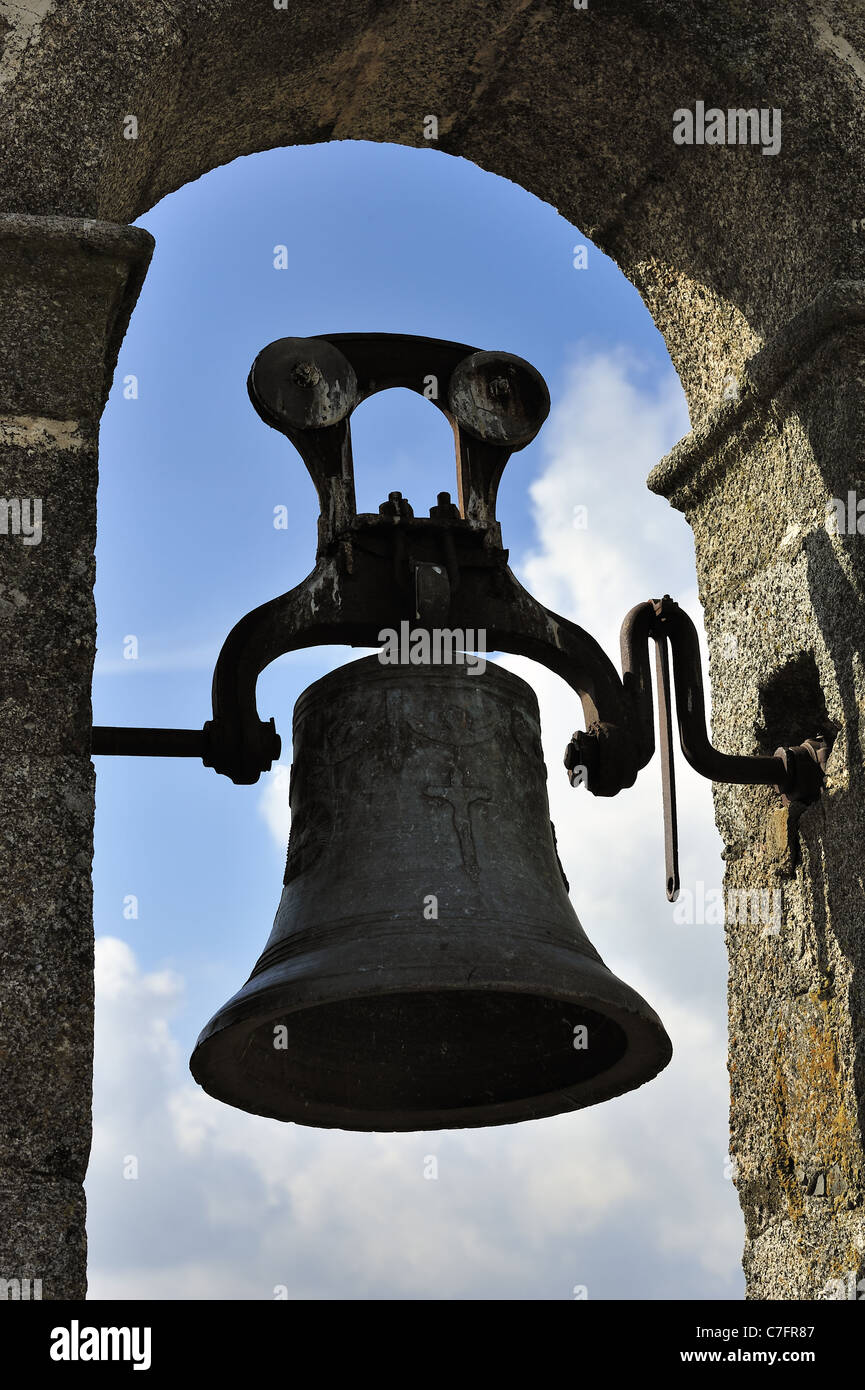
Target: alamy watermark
[[848, 1286], [735, 126], [846, 518], [21, 516], [713, 907], [77, 1343], [20, 1290], [437, 646]]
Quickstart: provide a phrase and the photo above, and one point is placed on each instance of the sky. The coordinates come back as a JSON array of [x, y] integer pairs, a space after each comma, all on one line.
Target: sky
[[188, 1198]]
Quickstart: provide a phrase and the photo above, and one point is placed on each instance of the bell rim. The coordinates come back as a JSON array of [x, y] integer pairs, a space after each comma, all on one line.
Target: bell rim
[[647, 1044]]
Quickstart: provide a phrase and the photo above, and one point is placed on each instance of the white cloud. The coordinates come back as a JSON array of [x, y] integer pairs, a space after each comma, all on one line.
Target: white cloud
[[609, 428], [230, 1205], [628, 1198], [273, 802]]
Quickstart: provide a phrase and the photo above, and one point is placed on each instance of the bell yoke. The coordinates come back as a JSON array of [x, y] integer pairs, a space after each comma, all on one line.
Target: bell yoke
[[426, 968]]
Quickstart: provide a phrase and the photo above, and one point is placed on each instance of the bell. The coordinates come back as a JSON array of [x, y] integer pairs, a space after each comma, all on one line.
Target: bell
[[426, 969]]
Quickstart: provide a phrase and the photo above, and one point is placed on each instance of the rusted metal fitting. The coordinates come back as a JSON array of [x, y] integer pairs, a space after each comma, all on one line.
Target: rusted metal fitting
[[396, 506], [581, 758], [306, 374], [805, 766]]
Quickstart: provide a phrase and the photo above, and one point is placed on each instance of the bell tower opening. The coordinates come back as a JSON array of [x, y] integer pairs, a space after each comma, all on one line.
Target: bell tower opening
[[185, 460]]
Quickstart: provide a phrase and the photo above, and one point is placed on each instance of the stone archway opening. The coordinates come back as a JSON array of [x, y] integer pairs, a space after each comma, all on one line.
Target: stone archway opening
[[732, 251], [186, 335]]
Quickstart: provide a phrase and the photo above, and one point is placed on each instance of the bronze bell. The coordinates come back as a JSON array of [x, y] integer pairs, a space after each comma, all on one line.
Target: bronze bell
[[426, 969]]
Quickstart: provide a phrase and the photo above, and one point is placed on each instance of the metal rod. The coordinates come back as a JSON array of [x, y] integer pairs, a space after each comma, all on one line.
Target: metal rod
[[668, 770], [148, 743]]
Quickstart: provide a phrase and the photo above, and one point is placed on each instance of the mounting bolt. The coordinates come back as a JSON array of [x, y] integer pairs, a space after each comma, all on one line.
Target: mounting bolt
[[305, 374], [805, 765], [500, 387], [664, 607], [581, 757], [445, 509], [396, 506]]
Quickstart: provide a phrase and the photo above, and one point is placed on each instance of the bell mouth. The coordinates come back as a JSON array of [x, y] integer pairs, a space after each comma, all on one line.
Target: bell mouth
[[427, 1060]]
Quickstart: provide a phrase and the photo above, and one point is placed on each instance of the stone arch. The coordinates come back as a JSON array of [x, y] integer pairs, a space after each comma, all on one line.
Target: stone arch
[[750, 266], [575, 105]]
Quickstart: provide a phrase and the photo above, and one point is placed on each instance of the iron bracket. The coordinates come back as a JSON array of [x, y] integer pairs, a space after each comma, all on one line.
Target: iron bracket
[[376, 571], [373, 572]]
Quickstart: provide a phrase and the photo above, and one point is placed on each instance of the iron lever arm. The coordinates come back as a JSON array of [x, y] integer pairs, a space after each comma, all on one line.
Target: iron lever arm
[[796, 772], [664, 619], [742, 769]]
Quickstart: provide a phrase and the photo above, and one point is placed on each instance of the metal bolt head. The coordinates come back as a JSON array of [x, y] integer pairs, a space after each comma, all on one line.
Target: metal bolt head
[[498, 398], [305, 374]]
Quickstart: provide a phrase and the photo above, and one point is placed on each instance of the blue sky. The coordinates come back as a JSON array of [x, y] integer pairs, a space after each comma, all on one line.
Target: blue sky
[[379, 238]]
